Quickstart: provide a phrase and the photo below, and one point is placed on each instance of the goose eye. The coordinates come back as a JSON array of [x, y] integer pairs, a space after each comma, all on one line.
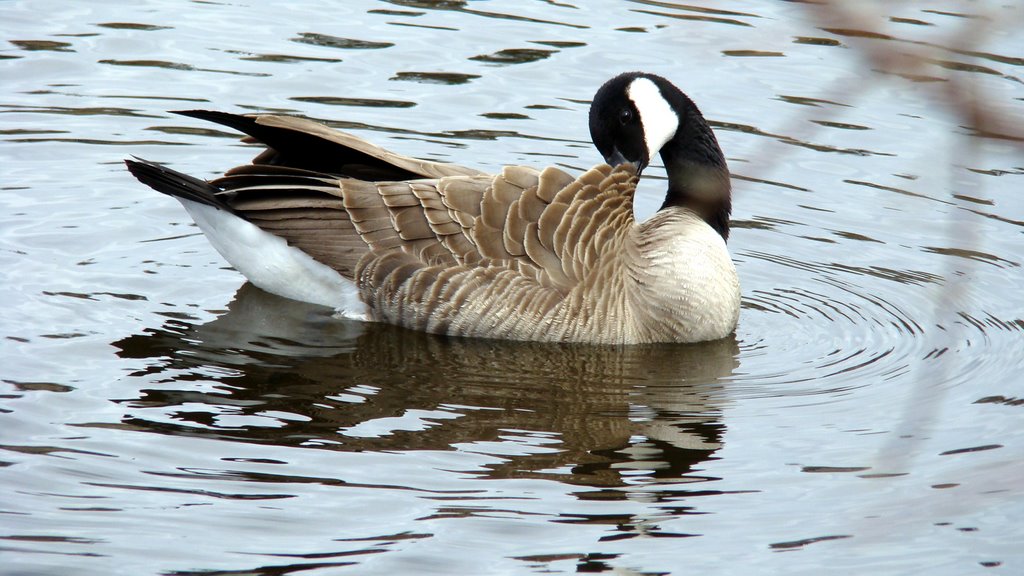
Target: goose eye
[[625, 116]]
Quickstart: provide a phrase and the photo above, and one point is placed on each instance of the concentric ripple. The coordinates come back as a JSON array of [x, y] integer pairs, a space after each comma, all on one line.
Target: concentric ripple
[[848, 328]]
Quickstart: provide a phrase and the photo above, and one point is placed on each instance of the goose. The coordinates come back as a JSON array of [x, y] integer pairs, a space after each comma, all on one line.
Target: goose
[[326, 217]]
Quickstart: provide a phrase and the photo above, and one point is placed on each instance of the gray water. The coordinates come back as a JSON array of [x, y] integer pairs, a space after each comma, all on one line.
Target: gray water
[[159, 416]]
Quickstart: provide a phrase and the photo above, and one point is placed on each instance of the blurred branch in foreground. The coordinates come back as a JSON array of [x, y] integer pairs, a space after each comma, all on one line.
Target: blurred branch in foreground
[[984, 113], [919, 60]]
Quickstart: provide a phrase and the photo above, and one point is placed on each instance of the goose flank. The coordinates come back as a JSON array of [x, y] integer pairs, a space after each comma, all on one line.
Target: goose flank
[[326, 217]]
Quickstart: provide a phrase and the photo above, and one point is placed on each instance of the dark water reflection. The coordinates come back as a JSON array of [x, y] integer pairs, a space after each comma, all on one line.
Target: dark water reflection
[[608, 415]]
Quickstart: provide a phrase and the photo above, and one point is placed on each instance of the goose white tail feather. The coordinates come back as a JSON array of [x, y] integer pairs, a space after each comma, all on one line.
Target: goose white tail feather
[[269, 262]]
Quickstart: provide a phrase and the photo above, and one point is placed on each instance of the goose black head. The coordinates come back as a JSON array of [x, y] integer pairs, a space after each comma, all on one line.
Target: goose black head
[[633, 115], [636, 115]]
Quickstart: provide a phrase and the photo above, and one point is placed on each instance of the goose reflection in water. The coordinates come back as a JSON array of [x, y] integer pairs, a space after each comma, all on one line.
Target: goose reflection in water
[[601, 416]]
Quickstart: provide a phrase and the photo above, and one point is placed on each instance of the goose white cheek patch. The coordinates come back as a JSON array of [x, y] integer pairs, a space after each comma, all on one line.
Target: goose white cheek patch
[[660, 122]]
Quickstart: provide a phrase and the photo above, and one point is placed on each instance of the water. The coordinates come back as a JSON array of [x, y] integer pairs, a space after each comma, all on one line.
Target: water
[[161, 417]]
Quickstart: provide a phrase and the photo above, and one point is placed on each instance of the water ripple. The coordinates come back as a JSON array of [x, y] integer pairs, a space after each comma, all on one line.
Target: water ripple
[[848, 335]]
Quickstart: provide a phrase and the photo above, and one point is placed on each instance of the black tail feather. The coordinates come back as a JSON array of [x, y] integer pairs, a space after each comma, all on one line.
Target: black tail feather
[[298, 149], [244, 124], [174, 183], [286, 147]]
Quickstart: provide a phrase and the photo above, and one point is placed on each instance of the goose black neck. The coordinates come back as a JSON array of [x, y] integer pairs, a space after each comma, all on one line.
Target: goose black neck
[[697, 173]]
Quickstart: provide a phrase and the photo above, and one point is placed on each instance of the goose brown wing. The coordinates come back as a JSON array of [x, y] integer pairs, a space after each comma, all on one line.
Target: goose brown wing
[[533, 238], [544, 224], [521, 217]]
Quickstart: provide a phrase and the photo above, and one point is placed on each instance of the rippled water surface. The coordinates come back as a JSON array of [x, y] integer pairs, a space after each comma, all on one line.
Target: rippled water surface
[[159, 416]]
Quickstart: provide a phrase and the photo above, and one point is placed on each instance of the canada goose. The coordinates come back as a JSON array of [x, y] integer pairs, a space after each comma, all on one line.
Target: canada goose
[[325, 217]]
